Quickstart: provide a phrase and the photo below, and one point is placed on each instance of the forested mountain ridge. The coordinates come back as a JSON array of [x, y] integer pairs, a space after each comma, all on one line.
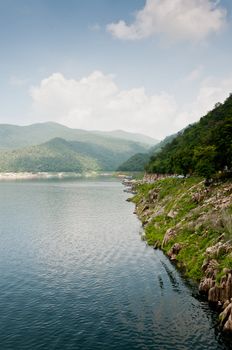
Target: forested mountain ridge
[[14, 136], [59, 155], [138, 161], [203, 148], [52, 147]]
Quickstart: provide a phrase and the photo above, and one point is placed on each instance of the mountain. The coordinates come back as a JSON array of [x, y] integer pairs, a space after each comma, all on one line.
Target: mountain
[[203, 148], [13, 136], [144, 139], [59, 155], [135, 162], [138, 161], [158, 147]]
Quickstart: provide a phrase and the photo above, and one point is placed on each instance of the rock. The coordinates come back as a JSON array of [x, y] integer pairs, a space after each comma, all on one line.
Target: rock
[[214, 294], [210, 268], [228, 325], [176, 248], [174, 251], [144, 208], [198, 197], [226, 303], [172, 214], [229, 286], [170, 233], [226, 271], [223, 292], [173, 257], [205, 285], [157, 245], [153, 195], [224, 315], [218, 249]]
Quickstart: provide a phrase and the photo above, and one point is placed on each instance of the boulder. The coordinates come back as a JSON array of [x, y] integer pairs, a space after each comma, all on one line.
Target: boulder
[[205, 285], [170, 233], [214, 294], [210, 268]]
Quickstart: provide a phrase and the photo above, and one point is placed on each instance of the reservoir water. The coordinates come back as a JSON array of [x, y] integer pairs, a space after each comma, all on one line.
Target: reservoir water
[[74, 274]]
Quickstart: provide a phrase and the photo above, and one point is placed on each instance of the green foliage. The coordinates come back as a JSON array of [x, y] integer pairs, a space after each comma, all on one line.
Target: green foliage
[[194, 235], [135, 163], [204, 159], [15, 137], [138, 161], [227, 222], [59, 155], [203, 148]]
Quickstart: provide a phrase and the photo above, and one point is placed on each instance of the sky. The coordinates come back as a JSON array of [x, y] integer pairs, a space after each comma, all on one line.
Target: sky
[[147, 66]]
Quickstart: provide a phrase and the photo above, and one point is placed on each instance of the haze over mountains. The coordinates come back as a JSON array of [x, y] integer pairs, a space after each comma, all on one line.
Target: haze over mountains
[[54, 147], [14, 136], [138, 161]]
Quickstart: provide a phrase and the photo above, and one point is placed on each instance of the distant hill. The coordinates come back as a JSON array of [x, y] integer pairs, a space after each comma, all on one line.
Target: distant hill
[[135, 162], [59, 155], [138, 161], [144, 139], [14, 137], [158, 147], [203, 148]]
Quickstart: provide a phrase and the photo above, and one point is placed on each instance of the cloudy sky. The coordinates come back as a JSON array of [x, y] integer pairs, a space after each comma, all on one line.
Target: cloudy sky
[[149, 66]]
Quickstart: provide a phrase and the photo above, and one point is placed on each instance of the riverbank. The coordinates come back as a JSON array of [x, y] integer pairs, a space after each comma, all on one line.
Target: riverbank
[[192, 224]]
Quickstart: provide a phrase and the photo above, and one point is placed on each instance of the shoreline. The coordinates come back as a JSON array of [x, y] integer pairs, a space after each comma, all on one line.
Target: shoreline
[[182, 218], [11, 176]]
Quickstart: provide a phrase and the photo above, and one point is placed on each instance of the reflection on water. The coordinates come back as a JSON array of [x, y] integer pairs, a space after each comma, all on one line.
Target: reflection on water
[[75, 275]]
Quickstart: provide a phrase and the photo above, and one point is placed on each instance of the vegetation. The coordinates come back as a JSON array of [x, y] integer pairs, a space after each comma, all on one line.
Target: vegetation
[[59, 155], [186, 208], [138, 161], [54, 147], [135, 163], [203, 148], [14, 137]]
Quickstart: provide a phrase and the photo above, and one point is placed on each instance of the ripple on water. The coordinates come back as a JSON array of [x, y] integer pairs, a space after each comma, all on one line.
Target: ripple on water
[[76, 275]]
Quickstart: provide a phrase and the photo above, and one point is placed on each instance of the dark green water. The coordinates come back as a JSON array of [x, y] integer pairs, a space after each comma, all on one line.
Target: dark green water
[[74, 274]]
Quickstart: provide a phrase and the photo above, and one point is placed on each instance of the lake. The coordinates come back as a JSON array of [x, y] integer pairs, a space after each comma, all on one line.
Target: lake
[[75, 274]]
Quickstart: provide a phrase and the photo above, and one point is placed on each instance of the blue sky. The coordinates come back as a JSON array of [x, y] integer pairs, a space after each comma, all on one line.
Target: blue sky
[[149, 66]]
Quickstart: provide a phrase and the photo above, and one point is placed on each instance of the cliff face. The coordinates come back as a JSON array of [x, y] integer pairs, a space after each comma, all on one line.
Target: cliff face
[[192, 224]]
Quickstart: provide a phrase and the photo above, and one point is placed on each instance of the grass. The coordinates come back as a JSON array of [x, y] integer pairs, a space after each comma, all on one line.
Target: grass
[[193, 235]]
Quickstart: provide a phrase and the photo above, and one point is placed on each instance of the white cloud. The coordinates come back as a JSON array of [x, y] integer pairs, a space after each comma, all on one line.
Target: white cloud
[[177, 19], [213, 91], [96, 102], [210, 92]]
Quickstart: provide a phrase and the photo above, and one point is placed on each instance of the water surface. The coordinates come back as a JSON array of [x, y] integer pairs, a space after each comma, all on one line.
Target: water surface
[[74, 274]]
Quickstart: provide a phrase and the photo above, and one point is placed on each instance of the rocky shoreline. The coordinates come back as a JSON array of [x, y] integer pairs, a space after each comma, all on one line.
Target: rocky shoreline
[[192, 224]]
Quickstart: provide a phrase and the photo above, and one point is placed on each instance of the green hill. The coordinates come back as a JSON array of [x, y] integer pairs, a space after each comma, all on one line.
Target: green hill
[[135, 163], [13, 136], [59, 155], [203, 148], [138, 161]]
